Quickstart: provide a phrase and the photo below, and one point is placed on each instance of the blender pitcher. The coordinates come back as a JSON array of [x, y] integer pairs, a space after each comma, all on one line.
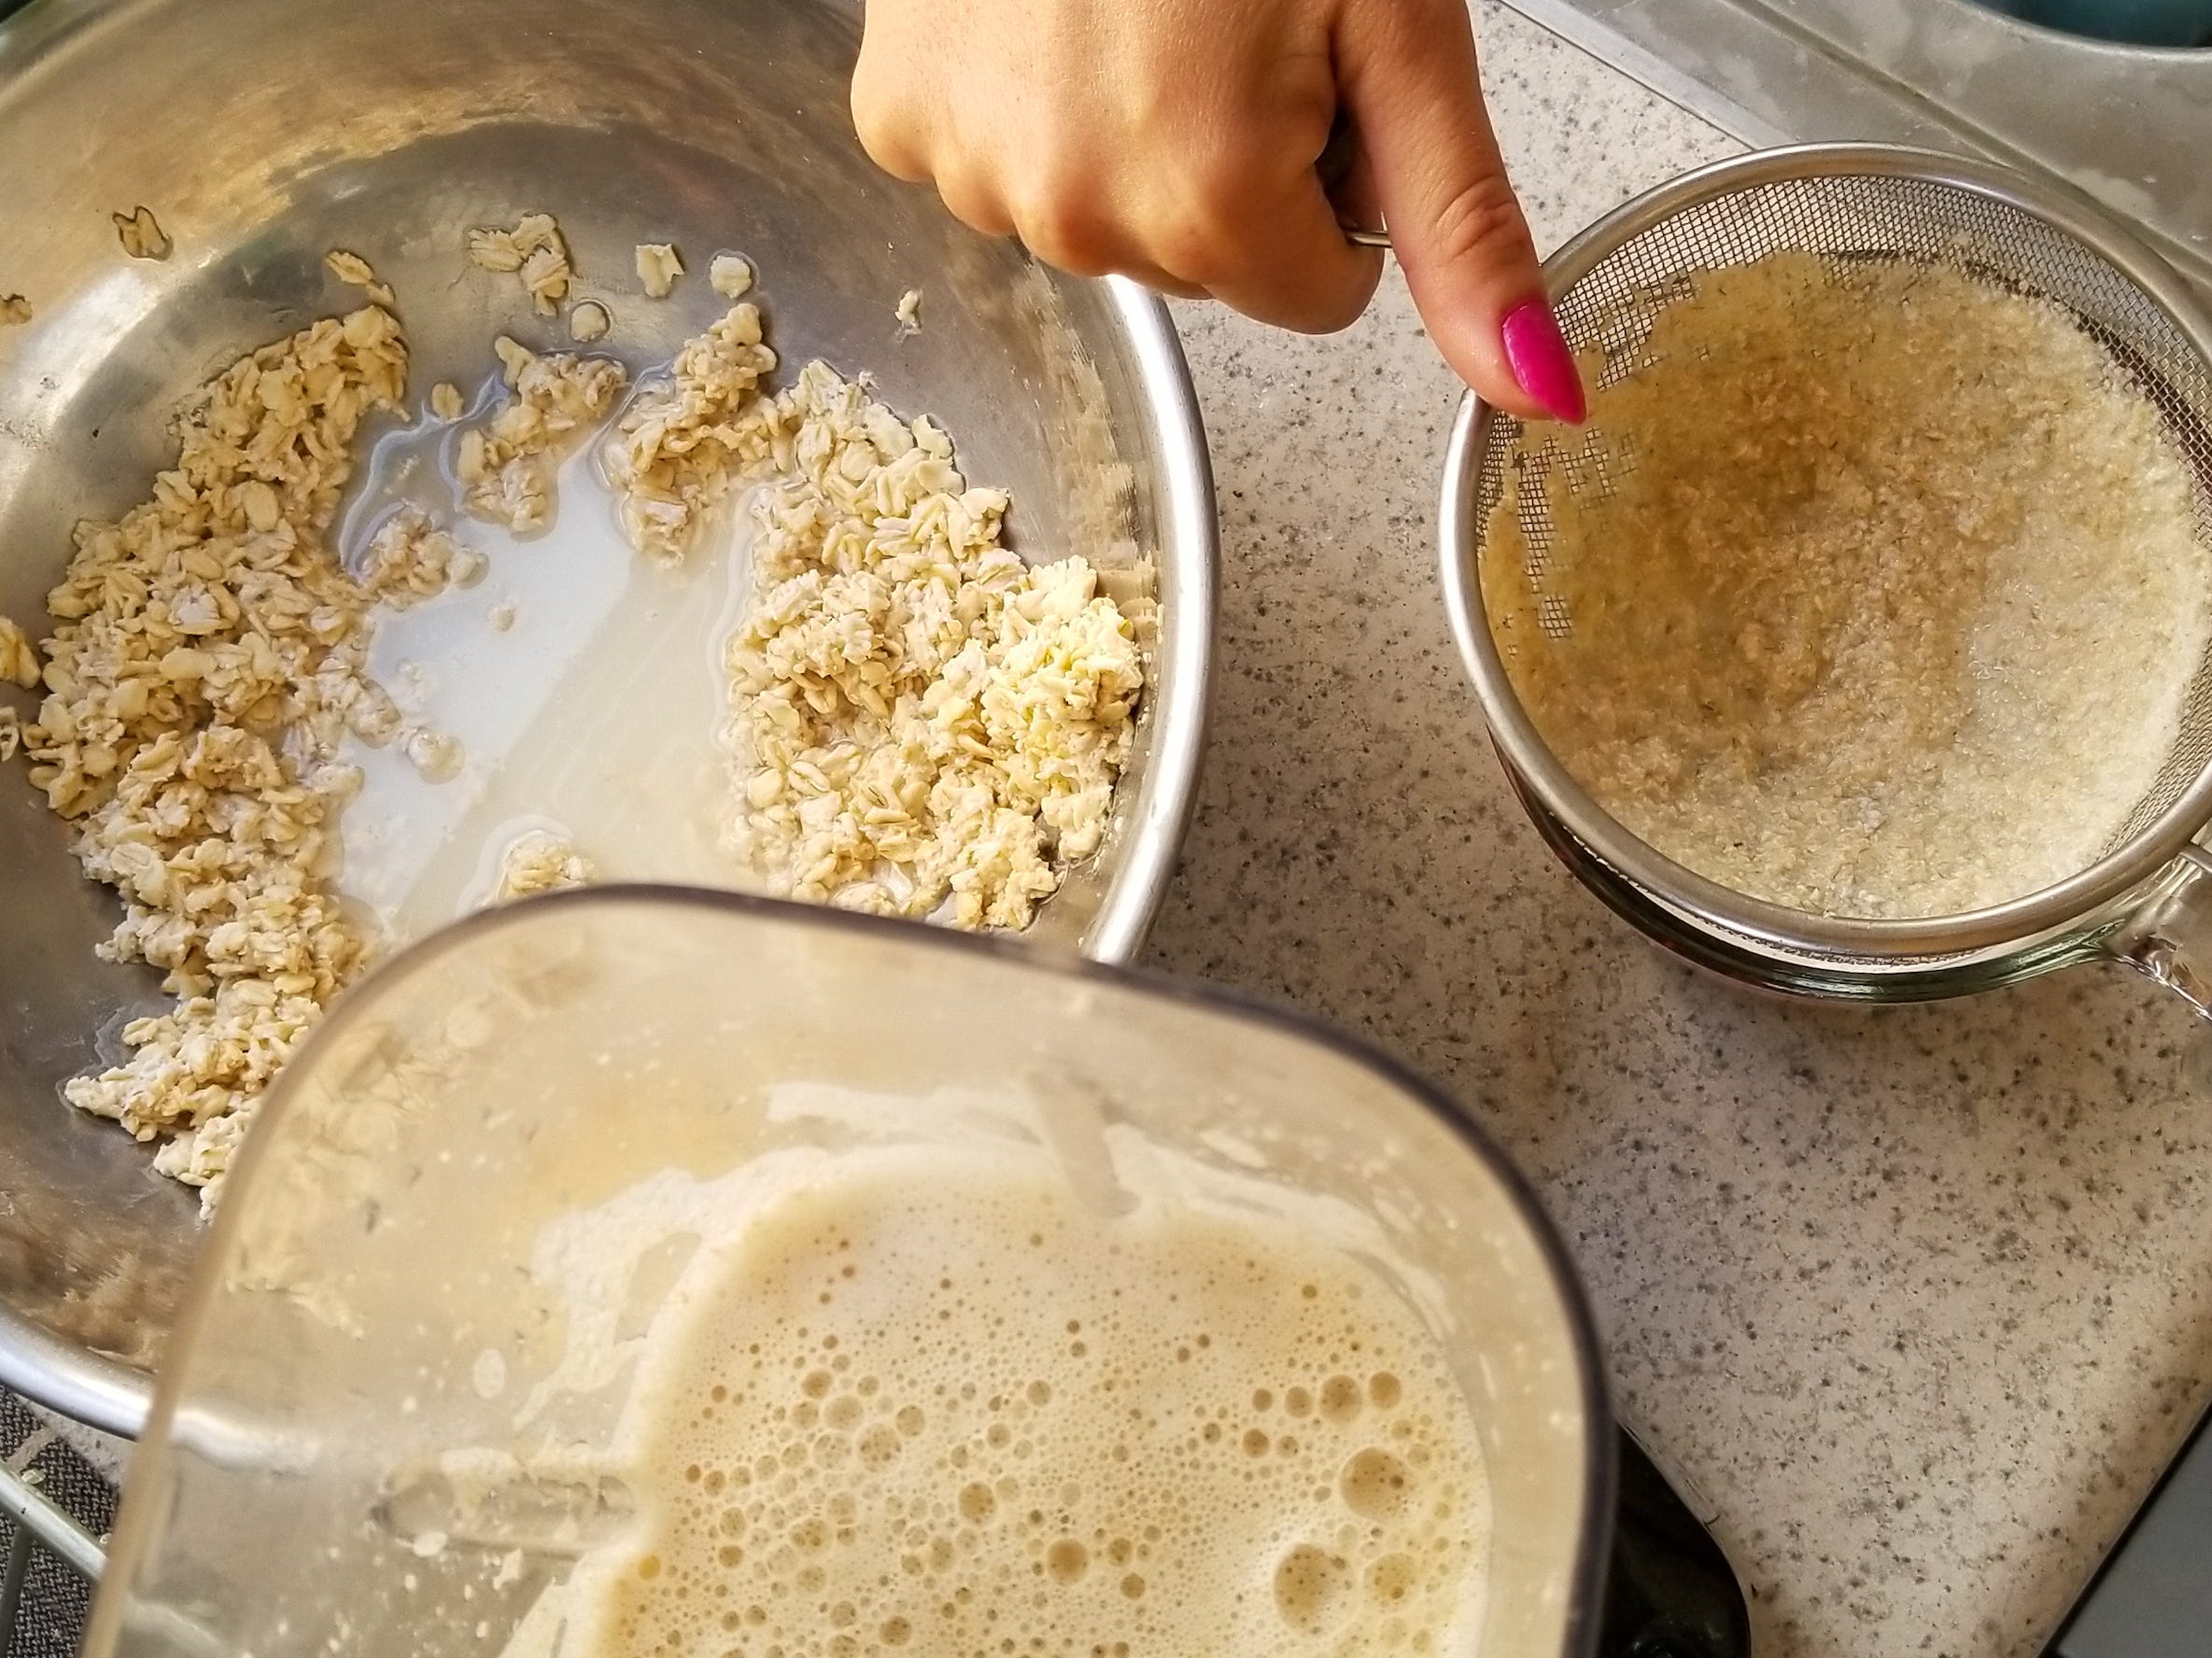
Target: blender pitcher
[[418, 1315]]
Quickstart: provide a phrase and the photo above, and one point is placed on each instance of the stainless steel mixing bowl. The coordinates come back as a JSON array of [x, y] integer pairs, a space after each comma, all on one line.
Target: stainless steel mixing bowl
[[263, 132]]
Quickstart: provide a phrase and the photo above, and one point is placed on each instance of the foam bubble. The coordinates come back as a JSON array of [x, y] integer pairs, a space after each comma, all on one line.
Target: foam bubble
[[1067, 1560], [1019, 1430], [1340, 1399], [1311, 1587], [1375, 1484], [978, 1502]]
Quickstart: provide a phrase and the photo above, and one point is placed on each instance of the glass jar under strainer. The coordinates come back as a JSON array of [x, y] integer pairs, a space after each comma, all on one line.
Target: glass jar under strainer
[[2146, 898]]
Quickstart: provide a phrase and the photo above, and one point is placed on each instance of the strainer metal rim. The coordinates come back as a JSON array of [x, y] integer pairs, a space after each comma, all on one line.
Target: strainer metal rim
[[1525, 750]]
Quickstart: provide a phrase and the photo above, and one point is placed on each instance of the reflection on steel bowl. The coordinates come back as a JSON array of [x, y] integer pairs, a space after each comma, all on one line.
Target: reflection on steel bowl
[[263, 133]]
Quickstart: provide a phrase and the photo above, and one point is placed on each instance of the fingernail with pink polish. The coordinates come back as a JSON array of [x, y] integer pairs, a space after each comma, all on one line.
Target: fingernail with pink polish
[[1540, 361]]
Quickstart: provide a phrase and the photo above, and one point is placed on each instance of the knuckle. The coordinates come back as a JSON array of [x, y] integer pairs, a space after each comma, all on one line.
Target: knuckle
[[886, 128], [1206, 235], [1222, 186], [1481, 219], [1057, 222], [1190, 247], [973, 200]]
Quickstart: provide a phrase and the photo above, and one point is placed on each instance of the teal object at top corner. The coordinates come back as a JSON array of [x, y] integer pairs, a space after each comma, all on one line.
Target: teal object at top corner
[[2135, 22]]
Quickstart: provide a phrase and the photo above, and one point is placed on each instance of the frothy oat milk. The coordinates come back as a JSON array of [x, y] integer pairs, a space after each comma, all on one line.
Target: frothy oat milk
[[926, 1403]]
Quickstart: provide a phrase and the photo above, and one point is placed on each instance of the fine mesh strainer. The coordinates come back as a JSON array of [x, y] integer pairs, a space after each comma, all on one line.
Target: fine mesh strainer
[[2149, 886]]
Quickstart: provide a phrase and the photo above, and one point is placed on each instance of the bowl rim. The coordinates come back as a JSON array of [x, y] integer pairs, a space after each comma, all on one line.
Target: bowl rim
[[1190, 560], [1909, 944]]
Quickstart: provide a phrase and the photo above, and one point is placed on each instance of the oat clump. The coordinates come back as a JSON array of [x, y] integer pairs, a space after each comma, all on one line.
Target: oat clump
[[15, 310], [356, 271], [589, 321], [19, 656], [1880, 595], [538, 861], [536, 253], [411, 559], [141, 234], [920, 720], [731, 274], [506, 463], [658, 266], [19, 666], [684, 444], [209, 656]]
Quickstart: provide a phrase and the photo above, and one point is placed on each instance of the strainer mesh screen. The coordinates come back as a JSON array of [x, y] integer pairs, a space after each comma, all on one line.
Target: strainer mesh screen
[[1857, 219]]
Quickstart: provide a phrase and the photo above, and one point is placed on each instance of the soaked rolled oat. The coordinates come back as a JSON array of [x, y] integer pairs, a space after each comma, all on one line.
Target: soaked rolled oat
[[141, 234], [534, 251], [923, 725], [658, 266], [539, 860], [507, 462], [209, 656], [589, 321], [923, 722], [19, 656], [730, 276], [356, 271]]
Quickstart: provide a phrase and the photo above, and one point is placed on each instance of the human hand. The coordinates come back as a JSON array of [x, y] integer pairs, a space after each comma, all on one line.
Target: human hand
[[1173, 141]]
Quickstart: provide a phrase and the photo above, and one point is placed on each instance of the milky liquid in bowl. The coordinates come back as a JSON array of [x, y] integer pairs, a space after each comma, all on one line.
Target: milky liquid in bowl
[[596, 715]]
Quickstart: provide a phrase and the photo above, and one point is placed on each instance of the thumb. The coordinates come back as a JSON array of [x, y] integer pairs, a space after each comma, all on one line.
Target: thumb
[[1407, 72]]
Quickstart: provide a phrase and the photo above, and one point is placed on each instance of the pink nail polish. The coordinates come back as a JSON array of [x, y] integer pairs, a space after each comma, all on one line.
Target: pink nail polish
[[1542, 363]]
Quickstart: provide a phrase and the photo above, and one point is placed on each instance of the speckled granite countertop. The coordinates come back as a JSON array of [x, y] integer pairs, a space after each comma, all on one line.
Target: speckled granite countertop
[[1917, 1300]]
